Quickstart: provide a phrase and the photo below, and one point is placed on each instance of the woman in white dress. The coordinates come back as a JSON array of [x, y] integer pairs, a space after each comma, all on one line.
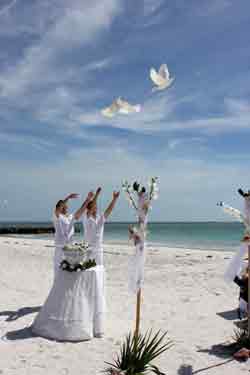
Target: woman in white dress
[[73, 303], [93, 224], [64, 225]]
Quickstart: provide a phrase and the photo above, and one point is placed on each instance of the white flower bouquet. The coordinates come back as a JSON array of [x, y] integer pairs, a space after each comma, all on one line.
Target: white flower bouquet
[[75, 257], [75, 253]]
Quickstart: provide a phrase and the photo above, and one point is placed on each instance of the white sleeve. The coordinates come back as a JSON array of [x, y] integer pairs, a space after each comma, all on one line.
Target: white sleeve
[[71, 226], [84, 219], [66, 226], [101, 220]]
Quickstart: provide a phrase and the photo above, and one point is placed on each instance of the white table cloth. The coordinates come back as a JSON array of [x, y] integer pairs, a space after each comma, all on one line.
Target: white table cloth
[[74, 309]]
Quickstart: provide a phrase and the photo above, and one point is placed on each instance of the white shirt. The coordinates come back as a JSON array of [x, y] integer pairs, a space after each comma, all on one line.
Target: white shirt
[[64, 229], [93, 230]]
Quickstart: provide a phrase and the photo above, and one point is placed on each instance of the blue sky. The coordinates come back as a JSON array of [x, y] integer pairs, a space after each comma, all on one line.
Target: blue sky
[[61, 62]]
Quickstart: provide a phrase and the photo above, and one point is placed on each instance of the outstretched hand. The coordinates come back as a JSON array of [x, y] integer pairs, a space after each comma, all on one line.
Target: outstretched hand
[[73, 196], [98, 190], [116, 194]]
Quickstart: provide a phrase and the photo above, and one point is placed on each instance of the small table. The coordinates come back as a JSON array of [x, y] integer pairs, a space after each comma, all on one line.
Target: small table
[[74, 309]]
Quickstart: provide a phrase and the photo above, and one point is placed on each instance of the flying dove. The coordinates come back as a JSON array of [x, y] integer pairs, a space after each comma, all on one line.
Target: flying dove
[[120, 106], [126, 107], [111, 110], [161, 78]]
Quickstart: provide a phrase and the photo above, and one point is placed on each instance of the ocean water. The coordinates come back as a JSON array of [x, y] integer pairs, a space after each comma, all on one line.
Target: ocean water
[[197, 235]]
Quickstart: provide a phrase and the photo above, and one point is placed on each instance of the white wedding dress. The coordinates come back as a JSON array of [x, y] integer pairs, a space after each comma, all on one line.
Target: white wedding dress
[[74, 309]]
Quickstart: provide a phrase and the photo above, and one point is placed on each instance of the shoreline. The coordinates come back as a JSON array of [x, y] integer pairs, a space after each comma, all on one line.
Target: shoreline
[[150, 245]]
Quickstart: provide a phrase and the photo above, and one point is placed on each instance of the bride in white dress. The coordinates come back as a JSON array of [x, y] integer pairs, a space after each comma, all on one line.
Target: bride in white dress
[[74, 309], [68, 312]]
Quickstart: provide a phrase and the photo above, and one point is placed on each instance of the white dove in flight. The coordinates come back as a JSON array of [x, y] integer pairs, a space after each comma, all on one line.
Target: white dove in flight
[[126, 107], [111, 110], [161, 78], [120, 106]]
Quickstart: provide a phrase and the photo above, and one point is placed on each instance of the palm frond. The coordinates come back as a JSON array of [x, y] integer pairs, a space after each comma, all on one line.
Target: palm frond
[[137, 352]]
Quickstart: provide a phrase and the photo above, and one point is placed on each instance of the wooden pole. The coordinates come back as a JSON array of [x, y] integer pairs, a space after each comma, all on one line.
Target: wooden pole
[[138, 313], [248, 306]]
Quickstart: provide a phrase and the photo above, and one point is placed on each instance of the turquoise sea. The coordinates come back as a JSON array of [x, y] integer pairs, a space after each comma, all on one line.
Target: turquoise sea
[[197, 235]]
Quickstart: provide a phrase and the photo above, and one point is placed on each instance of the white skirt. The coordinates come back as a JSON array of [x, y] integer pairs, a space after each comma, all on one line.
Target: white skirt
[[74, 309]]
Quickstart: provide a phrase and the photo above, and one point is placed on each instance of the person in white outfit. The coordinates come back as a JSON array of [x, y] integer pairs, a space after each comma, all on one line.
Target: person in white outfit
[[64, 225], [93, 223]]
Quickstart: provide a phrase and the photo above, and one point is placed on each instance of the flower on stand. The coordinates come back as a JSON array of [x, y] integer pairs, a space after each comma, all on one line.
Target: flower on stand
[[136, 192], [128, 189], [75, 258], [153, 188]]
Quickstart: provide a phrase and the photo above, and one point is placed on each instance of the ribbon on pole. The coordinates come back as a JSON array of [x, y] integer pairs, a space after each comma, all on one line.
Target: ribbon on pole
[[141, 201], [136, 265]]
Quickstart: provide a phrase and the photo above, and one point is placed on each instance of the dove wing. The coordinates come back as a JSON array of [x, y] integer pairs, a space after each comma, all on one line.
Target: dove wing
[[156, 78], [111, 110], [125, 107], [107, 112], [233, 212], [163, 71]]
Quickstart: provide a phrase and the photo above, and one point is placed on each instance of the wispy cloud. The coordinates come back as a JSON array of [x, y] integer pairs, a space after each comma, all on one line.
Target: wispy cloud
[[80, 25], [5, 9]]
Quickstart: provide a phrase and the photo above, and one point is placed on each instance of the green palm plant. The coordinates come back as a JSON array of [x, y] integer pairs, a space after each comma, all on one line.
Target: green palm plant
[[241, 338], [137, 353]]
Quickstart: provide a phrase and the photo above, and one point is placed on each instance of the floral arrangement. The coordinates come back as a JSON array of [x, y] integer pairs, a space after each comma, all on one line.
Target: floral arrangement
[[75, 257], [66, 266], [136, 191], [141, 200]]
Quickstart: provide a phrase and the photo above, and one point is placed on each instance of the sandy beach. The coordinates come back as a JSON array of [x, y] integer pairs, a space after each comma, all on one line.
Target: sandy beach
[[184, 293]]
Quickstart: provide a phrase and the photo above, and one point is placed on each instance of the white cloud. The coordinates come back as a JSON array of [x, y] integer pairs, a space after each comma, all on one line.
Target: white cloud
[[32, 142], [30, 18], [7, 7], [80, 25], [182, 143]]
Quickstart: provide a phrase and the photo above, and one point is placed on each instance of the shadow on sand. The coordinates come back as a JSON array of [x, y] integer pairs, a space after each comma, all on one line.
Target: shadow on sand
[[19, 334], [188, 369], [229, 315], [223, 351], [14, 315]]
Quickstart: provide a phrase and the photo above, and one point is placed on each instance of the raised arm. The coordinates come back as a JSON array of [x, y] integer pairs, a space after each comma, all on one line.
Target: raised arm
[[64, 201], [83, 207], [70, 196], [97, 193], [110, 207]]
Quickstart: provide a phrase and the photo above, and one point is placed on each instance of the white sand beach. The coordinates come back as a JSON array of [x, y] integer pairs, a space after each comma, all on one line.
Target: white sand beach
[[184, 293]]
